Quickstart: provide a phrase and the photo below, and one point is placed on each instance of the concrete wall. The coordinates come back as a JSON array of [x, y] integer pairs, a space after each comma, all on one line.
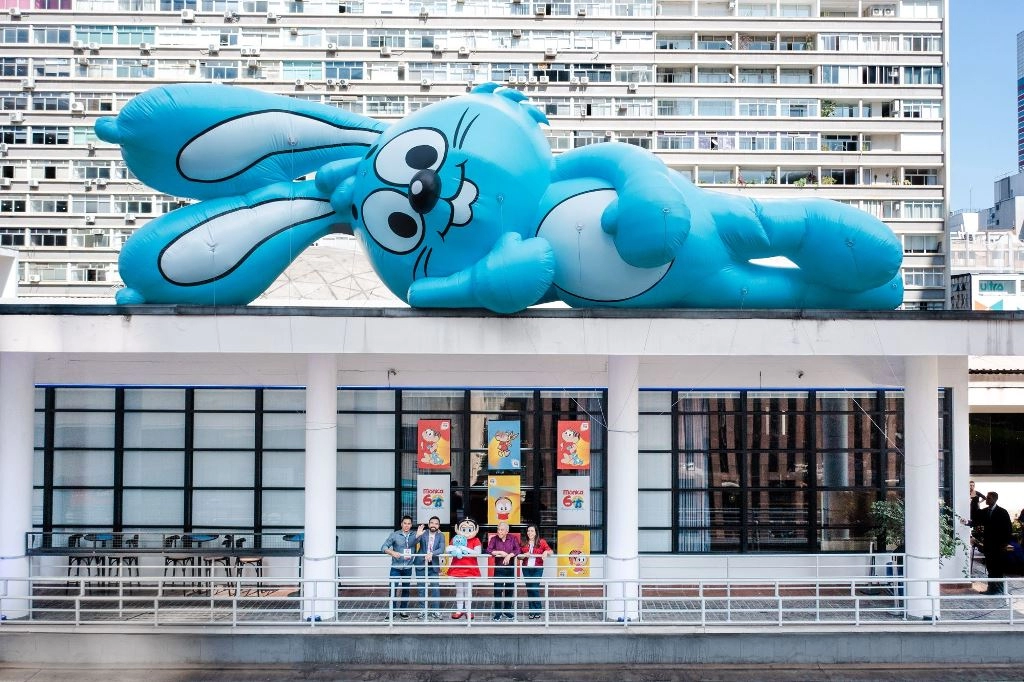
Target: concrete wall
[[525, 645]]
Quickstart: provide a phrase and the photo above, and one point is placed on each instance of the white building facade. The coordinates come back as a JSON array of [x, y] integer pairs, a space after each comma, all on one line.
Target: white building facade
[[843, 99]]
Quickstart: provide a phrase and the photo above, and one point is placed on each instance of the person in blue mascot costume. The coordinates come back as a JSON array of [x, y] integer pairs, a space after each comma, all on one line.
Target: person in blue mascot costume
[[462, 205]]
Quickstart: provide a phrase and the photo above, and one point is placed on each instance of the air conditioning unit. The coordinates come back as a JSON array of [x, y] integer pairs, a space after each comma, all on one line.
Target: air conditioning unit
[[33, 184], [213, 48], [4, 148], [88, 184], [342, 82], [99, 233], [889, 11], [424, 13], [470, 83], [584, 80], [463, 51], [5, 183], [77, 108], [544, 80], [145, 47], [608, 134], [623, 106], [617, 35], [188, 15], [300, 83], [332, 47], [330, 82], [94, 47], [143, 62], [437, 49], [532, 80], [14, 11], [28, 84], [252, 64], [517, 33], [129, 217], [294, 30], [425, 83], [83, 61], [250, 52], [539, 10], [230, 16], [193, 63], [876, 11], [271, 17], [581, 12], [385, 50], [632, 87], [550, 51], [90, 219], [90, 147], [17, 117], [77, 45], [574, 81], [34, 279]]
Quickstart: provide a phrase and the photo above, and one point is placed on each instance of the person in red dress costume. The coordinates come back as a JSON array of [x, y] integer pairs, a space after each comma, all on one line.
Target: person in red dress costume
[[465, 565]]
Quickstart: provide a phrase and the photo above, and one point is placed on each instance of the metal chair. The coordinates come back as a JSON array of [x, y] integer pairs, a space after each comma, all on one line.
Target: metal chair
[[124, 561], [175, 561], [255, 562], [78, 560]]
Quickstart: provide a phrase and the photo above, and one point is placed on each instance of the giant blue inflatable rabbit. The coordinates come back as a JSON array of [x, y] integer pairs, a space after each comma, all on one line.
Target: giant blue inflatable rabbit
[[462, 205]]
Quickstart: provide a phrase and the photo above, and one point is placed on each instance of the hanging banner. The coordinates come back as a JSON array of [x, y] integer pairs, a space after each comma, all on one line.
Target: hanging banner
[[433, 498], [573, 554], [503, 445], [573, 448], [434, 444], [573, 500], [503, 500]]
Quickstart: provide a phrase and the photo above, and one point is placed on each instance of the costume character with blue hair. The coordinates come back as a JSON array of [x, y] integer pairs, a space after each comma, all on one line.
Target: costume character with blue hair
[[462, 205]]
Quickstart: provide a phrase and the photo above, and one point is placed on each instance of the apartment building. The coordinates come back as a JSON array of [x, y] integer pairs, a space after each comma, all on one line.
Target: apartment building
[[843, 99]]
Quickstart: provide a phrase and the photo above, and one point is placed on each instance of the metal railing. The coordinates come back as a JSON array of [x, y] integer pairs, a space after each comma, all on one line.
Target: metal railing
[[365, 596]]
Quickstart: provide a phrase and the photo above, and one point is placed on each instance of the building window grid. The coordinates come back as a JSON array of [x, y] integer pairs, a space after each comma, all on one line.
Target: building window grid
[[870, 417]]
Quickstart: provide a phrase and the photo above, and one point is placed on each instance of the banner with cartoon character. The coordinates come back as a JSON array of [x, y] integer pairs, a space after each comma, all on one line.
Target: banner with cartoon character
[[573, 496], [574, 554], [433, 497], [573, 448], [434, 444], [503, 445], [503, 501]]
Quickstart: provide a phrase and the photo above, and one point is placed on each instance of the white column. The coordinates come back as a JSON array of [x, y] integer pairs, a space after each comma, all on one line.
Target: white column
[[623, 540], [953, 373], [16, 441], [921, 453], [318, 561]]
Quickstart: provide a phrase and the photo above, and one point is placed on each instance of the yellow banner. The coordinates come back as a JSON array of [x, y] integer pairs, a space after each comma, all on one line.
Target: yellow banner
[[503, 500], [573, 554]]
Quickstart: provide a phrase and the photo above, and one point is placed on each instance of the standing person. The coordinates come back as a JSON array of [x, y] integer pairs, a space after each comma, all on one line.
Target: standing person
[[532, 555], [995, 537], [976, 500], [431, 546], [504, 548], [465, 565], [401, 547]]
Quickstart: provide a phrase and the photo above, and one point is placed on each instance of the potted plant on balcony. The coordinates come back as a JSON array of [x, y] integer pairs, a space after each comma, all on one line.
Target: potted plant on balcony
[[888, 523]]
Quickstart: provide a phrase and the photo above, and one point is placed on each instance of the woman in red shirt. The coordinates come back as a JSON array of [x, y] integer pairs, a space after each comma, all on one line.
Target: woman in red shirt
[[534, 549], [465, 565]]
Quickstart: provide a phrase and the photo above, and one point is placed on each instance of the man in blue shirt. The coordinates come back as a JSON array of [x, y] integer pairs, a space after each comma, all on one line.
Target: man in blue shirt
[[401, 547]]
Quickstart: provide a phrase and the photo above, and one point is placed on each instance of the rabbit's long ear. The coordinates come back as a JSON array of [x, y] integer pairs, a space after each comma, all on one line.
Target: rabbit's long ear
[[224, 251], [208, 140]]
